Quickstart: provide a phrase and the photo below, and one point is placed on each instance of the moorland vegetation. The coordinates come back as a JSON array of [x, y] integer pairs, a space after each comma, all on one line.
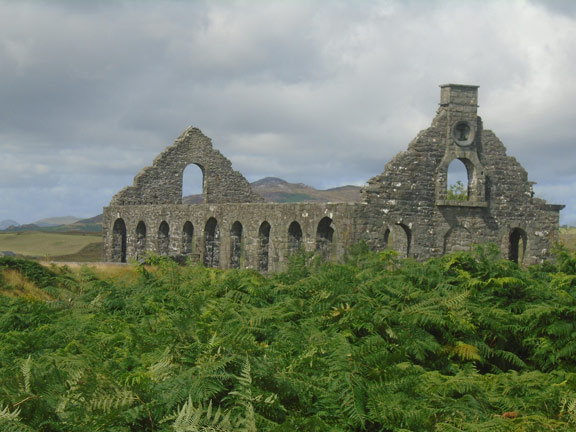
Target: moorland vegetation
[[465, 342]]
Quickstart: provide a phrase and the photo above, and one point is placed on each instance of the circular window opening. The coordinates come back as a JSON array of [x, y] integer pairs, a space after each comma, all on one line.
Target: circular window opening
[[463, 133]]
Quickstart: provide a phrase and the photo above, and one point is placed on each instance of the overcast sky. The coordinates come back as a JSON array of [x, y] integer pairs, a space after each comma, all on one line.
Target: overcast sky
[[319, 92]]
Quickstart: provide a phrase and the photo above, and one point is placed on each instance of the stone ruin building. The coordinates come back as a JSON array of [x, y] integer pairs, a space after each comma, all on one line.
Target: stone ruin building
[[408, 208]]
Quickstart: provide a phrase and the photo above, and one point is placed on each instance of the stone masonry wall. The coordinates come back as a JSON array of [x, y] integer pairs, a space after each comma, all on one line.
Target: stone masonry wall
[[407, 208], [162, 182], [413, 192], [341, 218]]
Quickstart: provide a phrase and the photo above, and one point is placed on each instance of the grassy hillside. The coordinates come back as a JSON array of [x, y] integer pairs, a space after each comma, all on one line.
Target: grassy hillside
[[46, 245], [568, 237], [466, 342]]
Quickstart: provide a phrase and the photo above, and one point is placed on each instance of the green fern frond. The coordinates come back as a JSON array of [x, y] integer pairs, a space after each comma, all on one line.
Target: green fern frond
[[14, 426], [26, 371], [162, 369], [511, 358], [567, 352], [189, 418], [113, 399], [568, 408], [244, 399], [465, 351], [6, 414]]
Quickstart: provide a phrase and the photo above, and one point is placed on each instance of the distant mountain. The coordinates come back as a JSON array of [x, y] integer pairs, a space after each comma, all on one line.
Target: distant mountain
[[56, 221], [275, 182], [6, 223], [93, 224], [25, 227], [274, 189], [92, 220]]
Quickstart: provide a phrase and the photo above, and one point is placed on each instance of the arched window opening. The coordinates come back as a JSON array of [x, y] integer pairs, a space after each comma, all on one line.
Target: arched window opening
[[458, 187], [294, 238], [324, 236], [212, 243], [403, 240], [187, 238], [140, 239], [193, 184], [235, 245], [119, 241], [387, 238], [517, 245], [164, 239], [263, 246]]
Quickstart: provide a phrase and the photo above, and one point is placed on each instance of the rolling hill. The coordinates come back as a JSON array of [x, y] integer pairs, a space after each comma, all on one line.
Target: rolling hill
[[274, 189]]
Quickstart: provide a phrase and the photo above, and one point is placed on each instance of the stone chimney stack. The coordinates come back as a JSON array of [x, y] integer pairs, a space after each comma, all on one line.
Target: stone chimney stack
[[459, 98]]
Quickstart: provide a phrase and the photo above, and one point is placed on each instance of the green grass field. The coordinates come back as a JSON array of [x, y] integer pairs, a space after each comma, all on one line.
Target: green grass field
[[43, 245]]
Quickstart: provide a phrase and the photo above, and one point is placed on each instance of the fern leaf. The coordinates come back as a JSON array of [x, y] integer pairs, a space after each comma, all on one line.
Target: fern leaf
[[14, 426], [26, 370], [111, 400], [161, 370], [6, 414], [465, 351], [568, 408], [189, 418]]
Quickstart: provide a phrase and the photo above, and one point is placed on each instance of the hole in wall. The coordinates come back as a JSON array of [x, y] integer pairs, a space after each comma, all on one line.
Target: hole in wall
[[235, 245], [517, 245], [192, 185], [294, 237], [457, 182], [264, 246]]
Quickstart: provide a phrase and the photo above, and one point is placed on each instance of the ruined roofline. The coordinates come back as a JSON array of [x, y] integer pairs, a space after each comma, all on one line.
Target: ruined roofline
[[161, 183], [410, 207]]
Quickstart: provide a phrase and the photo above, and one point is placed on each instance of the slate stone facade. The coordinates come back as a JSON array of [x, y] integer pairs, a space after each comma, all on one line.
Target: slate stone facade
[[408, 207]]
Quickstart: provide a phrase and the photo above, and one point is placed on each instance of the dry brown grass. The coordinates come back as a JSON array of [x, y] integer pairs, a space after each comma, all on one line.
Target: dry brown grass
[[17, 285], [46, 244], [103, 270], [568, 238]]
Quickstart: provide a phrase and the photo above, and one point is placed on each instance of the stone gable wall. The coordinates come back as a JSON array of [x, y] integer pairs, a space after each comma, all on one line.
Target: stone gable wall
[[162, 182], [412, 191]]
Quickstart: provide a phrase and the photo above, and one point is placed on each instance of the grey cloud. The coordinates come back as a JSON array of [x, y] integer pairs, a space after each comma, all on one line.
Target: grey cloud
[[561, 7], [315, 92]]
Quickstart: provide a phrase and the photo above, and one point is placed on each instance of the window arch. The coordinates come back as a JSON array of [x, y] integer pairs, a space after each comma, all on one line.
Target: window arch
[[458, 181], [517, 241], [164, 238], [119, 241], [294, 238], [263, 246], [193, 184], [140, 239], [324, 236], [235, 245], [403, 240], [212, 243], [187, 238], [387, 238]]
